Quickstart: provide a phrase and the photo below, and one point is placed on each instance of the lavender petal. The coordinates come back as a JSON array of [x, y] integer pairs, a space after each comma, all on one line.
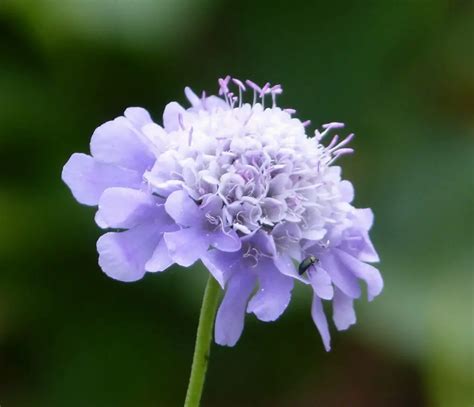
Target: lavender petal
[[231, 314], [171, 116], [138, 116], [126, 207], [343, 310], [319, 318], [117, 142], [321, 283], [88, 179], [363, 271], [340, 275], [160, 259], [226, 241], [182, 208], [186, 246], [273, 295], [222, 265], [122, 256]]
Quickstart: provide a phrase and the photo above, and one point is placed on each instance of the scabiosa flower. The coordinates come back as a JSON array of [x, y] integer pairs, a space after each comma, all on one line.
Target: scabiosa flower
[[239, 186]]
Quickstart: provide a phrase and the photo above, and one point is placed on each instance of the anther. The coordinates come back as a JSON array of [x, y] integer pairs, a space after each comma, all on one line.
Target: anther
[[223, 83], [239, 84], [333, 142], [333, 125], [255, 88], [347, 140]]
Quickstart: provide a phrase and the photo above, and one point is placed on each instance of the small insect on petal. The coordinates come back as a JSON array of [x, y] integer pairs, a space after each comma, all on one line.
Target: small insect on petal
[[306, 264]]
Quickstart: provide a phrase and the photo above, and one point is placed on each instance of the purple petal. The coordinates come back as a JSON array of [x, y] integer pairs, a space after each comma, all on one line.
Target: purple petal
[[347, 190], [263, 242], [126, 208], [213, 102], [171, 116], [186, 245], [222, 265], [274, 293], [340, 275], [160, 259], [138, 116], [343, 310], [116, 142], [100, 221], [88, 178], [231, 314], [225, 241], [321, 283], [367, 252], [359, 245], [363, 220], [273, 209], [314, 234], [287, 239], [366, 217], [279, 184], [123, 255], [363, 271], [194, 99], [286, 266], [212, 206], [183, 209], [319, 318]]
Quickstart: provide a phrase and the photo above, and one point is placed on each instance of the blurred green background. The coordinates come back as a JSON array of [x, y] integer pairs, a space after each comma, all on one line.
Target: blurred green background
[[399, 73]]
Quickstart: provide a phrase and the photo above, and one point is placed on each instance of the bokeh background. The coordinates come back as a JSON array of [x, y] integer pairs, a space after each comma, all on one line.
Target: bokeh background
[[399, 73]]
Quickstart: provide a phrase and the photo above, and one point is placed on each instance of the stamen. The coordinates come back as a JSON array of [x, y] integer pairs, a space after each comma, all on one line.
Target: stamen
[[333, 142], [275, 90], [265, 89], [212, 219], [224, 88], [290, 111], [342, 143], [339, 153], [241, 87], [333, 125], [253, 254], [239, 84], [306, 123], [327, 128], [344, 151], [223, 83], [255, 88], [253, 85], [230, 95], [263, 92]]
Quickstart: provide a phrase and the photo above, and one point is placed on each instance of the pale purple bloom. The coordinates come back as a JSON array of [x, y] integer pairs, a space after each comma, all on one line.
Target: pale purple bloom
[[238, 186]]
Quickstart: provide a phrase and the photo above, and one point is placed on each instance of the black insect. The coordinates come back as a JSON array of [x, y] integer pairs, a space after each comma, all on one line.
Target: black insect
[[306, 264]]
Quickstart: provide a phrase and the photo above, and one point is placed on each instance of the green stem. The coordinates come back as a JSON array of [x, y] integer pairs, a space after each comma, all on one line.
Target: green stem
[[203, 343]]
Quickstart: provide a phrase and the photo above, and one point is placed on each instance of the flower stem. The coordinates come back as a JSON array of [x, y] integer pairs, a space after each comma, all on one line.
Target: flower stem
[[203, 343]]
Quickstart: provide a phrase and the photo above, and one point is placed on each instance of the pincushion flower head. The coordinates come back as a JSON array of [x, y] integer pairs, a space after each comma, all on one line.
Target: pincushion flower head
[[239, 186]]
